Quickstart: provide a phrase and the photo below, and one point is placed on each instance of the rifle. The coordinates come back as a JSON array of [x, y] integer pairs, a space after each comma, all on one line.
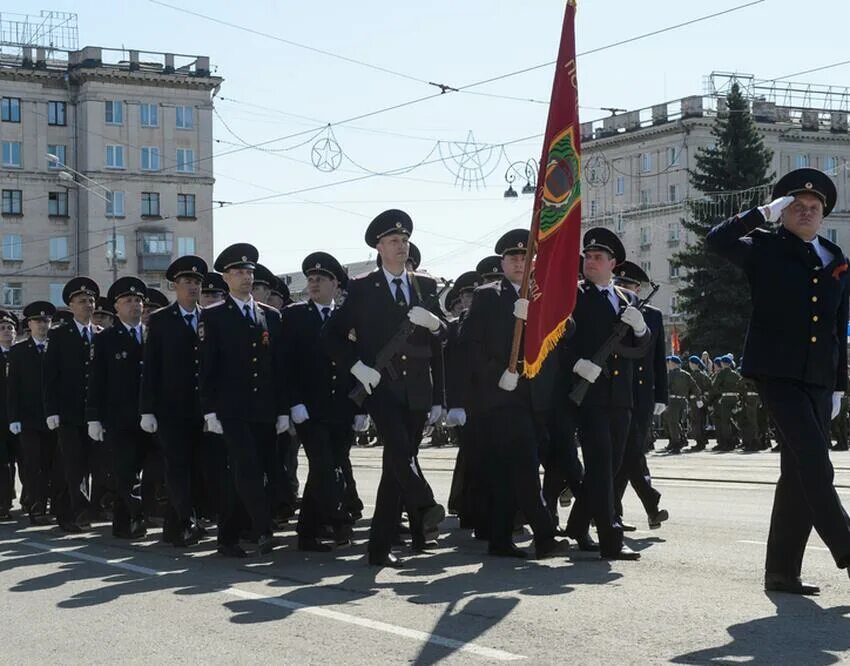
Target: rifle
[[384, 358], [601, 356]]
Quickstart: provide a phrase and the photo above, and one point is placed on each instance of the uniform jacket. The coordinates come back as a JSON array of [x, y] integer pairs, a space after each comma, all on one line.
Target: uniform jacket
[[66, 374], [725, 381], [798, 325], [4, 371], [369, 318], [456, 361], [171, 373], [682, 385], [242, 375], [650, 372], [114, 378], [25, 394]]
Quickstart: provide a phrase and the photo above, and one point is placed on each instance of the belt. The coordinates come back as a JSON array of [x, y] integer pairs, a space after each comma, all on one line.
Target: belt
[[680, 397], [726, 395], [752, 394]]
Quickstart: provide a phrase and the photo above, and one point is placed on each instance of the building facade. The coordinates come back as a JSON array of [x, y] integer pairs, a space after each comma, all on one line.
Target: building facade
[[99, 144], [635, 166]]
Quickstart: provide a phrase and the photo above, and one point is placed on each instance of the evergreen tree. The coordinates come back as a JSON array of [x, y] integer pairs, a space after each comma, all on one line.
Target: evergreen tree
[[715, 297]]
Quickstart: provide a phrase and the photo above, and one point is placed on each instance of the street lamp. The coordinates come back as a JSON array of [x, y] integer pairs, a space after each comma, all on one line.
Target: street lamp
[[527, 170], [72, 178]]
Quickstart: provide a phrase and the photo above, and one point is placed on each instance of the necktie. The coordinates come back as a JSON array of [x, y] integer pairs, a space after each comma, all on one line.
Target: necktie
[[40, 348], [247, 311], [190, 320], [399, 293], [814, 255], [86, 335], [326, 312], [134, 335]]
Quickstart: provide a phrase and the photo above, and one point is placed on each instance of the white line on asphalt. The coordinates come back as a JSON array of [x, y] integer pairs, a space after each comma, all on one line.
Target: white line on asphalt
[[764, 543], [376, 625]]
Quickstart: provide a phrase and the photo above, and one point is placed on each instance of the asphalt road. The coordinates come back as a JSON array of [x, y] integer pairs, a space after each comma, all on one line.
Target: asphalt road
[[695, 597]]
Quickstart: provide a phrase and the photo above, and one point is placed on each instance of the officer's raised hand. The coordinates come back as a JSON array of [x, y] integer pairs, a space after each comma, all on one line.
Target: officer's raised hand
[[421, 317], [367, 376], [587, 370], [299, 414], [773, 211], [634, 318]]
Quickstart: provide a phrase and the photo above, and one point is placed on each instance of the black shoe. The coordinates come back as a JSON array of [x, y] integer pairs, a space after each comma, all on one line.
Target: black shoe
[[628, 527], [697, 447], [403, 529], [265, 544], [185, 538], [586, 544], [385, 560], [657, 518], [625, 553], [233, 550], [137, 529], [432, 517], [69, 527], [552, 548], [38, 519], [780, 583], [507, 551], [356, 515], [312, 545]]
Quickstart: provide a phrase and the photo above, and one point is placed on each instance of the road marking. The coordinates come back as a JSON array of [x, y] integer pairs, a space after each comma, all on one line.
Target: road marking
[[326, 613], [764, 543]]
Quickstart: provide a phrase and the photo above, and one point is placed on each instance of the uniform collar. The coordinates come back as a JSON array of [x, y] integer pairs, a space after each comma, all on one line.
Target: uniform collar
[[80, 327], [250, 302], [319, 308], [187, 312], [390, 277]]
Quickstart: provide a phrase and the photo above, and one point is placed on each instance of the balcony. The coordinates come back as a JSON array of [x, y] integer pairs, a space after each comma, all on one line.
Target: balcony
[[154, 249]]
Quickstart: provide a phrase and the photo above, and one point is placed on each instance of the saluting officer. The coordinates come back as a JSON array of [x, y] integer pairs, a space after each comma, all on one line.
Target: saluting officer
[[375, 307], [8, 331], [170, 400], [112, 403], [796, 351], [66, 376], [242, 389], [603, 417], [41, 472], [319, 404]]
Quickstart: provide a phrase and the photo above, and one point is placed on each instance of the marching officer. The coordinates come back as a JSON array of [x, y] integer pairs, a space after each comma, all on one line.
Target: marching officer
[[683, 389], [241, 383], [697, 410], [169, 402], [66, 376], [796, 351], [377, 305], [319, 404], [41, 472], [112, 404], [8, 331], [604, 416]]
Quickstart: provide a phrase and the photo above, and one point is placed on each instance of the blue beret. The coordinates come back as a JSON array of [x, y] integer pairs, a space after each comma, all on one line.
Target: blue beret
[[697, 360], [675, 360]]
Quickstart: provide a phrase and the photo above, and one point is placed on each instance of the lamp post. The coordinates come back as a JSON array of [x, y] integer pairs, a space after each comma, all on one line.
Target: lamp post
[[74, 178], [527, 170]]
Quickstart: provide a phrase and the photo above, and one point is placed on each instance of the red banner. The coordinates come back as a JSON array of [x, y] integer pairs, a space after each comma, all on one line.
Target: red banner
[[556, 224]]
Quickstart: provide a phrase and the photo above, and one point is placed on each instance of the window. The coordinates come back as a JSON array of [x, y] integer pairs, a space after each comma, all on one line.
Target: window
[[645, 235], [156, 243], [150, 159], [57, 204], [185, 160], [115, 204], [830, 165], [619, 223], [673, 231], [185, 246], [148, 115], [13, 202], [832, 235], [620, 185], [186, 205], [801, 161], [115, 157], [674, 303], [150, 204], [673, 193], [120, 243], [674, 271], [56, 289], [59, 152], [646, 267], [594, 208], [10, 110], [13, 295], [184, 117], [114, 112], [644, 197], [59, 248], [56, 113], [13, 248], [673, 155], [11, 153], [645, 162]]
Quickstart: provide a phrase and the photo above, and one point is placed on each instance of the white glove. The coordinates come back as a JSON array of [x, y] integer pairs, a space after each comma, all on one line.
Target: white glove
[[435, 414], [148, 423], [587, 370], [361, 423], [15, 428], [96, 431], [521, 308], [421, 317], [658, 409], [299, 413], [213, 424], [700, 404], [52, 421], [836, 403], [456, 417], [508, 381], [773, 211], [633, 317], [282, 424], [367, 376]]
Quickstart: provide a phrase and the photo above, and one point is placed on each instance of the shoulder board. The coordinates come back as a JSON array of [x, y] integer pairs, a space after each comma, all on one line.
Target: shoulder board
[[214, 305], [268, 308], [490, 286]]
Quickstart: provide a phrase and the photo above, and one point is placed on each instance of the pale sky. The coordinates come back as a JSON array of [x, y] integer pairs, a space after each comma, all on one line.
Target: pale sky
[[454, 42]]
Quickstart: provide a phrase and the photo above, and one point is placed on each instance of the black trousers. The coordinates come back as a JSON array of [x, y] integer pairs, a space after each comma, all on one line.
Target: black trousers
[[634, 468], [247, 446], [76, 449], [181, 443], [231, 513], [603, 432], [513, 471], [559, 454], [7, 466], [41, 472], [402, 482], [323, 500], [132, 448], [805, 495], [286, 490]]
